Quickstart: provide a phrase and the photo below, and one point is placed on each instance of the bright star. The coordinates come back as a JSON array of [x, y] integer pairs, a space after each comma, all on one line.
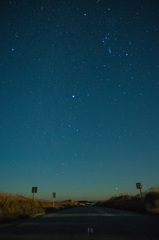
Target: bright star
[[109, 50]]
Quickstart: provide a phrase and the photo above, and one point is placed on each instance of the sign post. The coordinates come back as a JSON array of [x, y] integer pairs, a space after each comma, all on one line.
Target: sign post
[[34, 190], [54, 196], [139, 186]]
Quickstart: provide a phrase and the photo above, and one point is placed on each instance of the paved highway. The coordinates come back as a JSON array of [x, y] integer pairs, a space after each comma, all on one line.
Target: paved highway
[[84, 223]]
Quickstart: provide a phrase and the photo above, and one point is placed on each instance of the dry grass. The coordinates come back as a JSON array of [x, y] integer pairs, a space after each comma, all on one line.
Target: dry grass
[[16, 206], [147, 204], [152, 202]]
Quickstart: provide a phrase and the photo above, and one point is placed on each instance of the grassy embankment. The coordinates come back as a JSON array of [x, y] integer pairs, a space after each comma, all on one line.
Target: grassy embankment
[[147, 204], [14, 207]]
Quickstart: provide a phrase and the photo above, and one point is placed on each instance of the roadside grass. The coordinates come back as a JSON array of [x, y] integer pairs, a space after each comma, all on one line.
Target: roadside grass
[[152, 202], [13, 207], [147, 204]]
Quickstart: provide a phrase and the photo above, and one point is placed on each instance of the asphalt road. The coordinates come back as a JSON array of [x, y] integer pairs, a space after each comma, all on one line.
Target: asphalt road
[[84, 223]]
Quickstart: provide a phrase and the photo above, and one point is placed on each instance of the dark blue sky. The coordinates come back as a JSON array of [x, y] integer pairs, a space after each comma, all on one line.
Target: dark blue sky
[[79, 95]]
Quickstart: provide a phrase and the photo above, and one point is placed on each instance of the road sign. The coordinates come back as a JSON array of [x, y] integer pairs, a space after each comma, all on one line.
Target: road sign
[[34, 189], [54, 195], [138, 185]]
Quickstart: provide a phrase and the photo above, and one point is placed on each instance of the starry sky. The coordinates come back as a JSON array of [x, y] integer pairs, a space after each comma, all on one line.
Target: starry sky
[[79, 96]]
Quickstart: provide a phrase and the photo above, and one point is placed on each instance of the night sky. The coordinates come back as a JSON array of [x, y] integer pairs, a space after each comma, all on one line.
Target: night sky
[[79, 97]]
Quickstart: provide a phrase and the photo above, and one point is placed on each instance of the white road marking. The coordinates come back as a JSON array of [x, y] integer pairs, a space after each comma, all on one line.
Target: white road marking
[[90, 233]]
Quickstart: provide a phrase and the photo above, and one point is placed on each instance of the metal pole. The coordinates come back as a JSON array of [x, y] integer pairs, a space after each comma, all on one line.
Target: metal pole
[[32, 201], [140, 193]]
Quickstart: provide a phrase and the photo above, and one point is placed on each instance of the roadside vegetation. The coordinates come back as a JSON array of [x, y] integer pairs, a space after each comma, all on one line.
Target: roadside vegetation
[[13, 207], [149, 203]]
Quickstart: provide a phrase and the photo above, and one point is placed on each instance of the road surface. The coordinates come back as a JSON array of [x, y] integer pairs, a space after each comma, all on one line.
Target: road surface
[[83, 223]]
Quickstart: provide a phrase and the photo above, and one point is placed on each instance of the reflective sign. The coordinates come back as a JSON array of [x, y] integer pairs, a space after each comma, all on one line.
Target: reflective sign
[[34, 189], [54, 195]]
